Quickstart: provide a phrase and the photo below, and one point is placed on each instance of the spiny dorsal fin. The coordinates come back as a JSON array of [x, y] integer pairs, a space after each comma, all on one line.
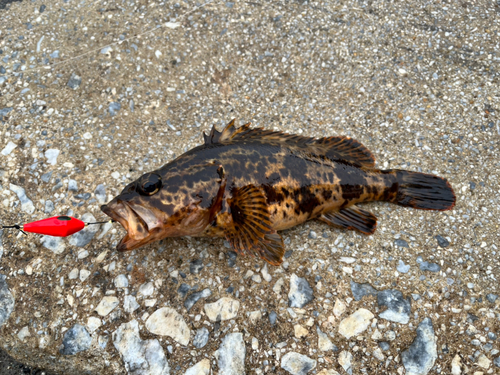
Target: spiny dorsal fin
[[334, 148], [248, 226]]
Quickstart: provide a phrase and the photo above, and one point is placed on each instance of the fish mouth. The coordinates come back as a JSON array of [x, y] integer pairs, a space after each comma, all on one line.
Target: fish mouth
[[140, 223]]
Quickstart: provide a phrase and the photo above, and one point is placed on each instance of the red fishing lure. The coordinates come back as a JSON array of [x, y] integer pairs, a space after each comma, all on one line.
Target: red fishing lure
[[57, 226]]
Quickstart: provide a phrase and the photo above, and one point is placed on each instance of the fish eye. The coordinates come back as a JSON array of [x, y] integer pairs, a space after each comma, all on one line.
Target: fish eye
[[150, 184]]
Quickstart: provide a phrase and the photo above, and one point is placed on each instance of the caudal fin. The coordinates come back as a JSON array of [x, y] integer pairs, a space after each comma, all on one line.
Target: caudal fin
[[424, 191]]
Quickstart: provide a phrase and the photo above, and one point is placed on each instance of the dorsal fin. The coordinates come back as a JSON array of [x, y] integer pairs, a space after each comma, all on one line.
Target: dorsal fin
[[334, 148]]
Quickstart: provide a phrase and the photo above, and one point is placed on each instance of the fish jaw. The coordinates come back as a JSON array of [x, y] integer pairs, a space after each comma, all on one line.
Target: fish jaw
[[141, 224]]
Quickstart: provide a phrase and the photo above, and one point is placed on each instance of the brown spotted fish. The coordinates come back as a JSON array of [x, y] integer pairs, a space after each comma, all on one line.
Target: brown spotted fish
[[247, 184]]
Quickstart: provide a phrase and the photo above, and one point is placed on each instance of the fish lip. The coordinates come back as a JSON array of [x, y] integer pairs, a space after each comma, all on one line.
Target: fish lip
[[123, 213]]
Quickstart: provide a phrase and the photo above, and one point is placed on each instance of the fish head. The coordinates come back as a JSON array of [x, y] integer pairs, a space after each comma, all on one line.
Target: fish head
[[163, 204]]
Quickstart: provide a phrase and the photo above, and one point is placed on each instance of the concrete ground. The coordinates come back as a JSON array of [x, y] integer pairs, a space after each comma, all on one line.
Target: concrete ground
[[100, 92]]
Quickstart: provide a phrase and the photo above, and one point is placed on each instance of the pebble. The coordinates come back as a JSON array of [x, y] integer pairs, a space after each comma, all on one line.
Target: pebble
[[231, 355], [297, 364], [9, 148], [84, 274], [73, 274], [265, 273], [6, 300], [100, 193], [72, 185], [146, 289], [443, 242], [75, 340], [426, 266], [300, 331], [361, 290], [398, 308], [55, 54], [403, 268], [51, 155], [195, 266], [300, 293], [491, 297], [377, 353], [49, 206], [384, 345], [401, 243], [483, 362], [93, 324], [201, 368], [345, 360], [355, 323], [121, 281], [114, 107], [23, 333], [74, 81], [26, 204], [141, 357], [223, 309], [339, 308], [273, 317], [107, 304], [130, 304], [456, 365], [168, 322], [420, 356], [496, 361], [86, 235], [54, 244], [201, 338], [195, 297], [324, 342]]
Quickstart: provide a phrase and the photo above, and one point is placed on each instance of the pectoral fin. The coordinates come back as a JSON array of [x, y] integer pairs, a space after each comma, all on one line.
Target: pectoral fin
[[351, 218], [247, 226]]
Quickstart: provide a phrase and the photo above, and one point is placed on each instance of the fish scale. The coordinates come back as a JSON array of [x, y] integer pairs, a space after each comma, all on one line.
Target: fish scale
[[247, 184]]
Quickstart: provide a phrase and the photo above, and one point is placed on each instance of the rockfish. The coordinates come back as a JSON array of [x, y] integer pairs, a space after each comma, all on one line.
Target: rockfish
[[247, 184]]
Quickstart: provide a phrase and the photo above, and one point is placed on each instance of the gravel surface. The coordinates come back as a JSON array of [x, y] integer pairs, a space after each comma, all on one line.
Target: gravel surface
[[94, 94]]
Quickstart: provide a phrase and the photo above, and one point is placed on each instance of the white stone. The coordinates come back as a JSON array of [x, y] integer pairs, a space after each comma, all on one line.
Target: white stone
[[254, 316], [87, 135], [255, 343], [121, 281], [55, 244], [265, 273], [130, 304], [150, 302], [345, 360], [9, 148], [141, 357], [324, 342], [376, 335], [297, 364], [172, 25], [93, 323], [231, 355], [168, 322], [23, 333], [225, 308], [300, 331], [377, 353], [483, 362], [146, 289], [201, 368], [339, 308], [26, 203], [279, 284], [51, 154], [84, 274], [355, 323], [107, 305], [456, 365], [73, 274]]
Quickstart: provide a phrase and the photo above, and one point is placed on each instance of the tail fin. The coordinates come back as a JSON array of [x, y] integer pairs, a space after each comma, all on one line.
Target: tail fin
[[424, 191]]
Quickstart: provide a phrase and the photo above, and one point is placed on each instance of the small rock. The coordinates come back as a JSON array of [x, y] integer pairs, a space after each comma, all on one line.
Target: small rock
[[196, 266], [231, 355], [107, 304], [223, 309], [345, 360], [114, 107], [49, 206], [23, 333], [491, 297], [9, 148], [130, 304], [74, 81], [121, 281], [328, 372], [324, 342], [195, 297], [72, 185], [300, 331], [355, 323], [26, 204], [73, 274], [403, 268], [419, 358], [297, 364], [86, 235], [401, 243], [54, 244], [273, 317], [146, 289], [384, 345], [55, 54], [361, 290], [254, 316], [141, 357], [377, 353], [483, 362], [201, 338], [265, 273], [300, 293], [426, 266], [339, 308], [100, 193], [93, 323], [51, 154], [456, 365], [496, 361], [201, 368], [168, 322], [75, 340], [84, 274], [183, 289], [443, 242], [398, 308]]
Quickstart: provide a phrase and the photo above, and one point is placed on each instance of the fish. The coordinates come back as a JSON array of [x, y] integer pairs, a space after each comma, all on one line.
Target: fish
[[246, 184]]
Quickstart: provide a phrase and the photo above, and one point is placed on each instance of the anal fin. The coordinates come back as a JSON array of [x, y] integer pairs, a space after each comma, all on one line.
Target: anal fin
[[351, 218], [248, 227]]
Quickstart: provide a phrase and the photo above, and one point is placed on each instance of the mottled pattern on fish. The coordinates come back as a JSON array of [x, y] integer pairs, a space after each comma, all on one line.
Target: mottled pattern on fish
[[246, 184]]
